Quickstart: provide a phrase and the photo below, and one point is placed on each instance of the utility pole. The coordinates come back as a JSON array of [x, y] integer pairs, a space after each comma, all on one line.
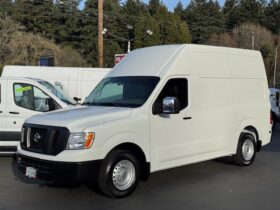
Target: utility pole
[[275, 65], [253, 40], [100, 33]]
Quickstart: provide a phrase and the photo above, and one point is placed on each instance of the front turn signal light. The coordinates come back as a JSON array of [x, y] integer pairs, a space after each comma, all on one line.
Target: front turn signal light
[[89, 138]]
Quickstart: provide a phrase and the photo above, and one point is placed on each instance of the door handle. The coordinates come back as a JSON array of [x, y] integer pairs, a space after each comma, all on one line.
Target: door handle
[[1, 112], [187, 118], [14, 112]]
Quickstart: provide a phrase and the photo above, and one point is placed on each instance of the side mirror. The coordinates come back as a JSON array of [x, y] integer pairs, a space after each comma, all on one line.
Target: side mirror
[[171, 105], [76, 99]]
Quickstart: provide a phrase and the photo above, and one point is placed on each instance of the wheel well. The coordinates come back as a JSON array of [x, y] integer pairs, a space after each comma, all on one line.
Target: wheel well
[[252, 130], [140, 155]]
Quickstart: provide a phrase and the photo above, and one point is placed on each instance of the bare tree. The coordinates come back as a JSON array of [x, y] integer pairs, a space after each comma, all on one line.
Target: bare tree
[[21, 48], [252, 36], [223, 39]]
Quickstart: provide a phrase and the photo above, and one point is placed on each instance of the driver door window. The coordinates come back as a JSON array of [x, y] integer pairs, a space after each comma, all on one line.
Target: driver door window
[[41, 100], [30, 97], [174, 88]]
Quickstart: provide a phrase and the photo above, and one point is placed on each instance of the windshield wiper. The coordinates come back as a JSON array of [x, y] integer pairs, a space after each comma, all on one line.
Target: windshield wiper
[[101, 104], [110, 104], [88, 103]]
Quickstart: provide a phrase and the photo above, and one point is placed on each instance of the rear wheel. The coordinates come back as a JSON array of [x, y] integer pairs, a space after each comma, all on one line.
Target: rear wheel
[[119, 174], [246, 150]]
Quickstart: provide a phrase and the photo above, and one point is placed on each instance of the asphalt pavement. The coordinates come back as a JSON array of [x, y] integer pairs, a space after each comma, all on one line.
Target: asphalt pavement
[[215, 184]]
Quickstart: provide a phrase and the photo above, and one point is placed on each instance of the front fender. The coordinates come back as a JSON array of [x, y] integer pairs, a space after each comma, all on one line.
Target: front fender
[[122, 138]]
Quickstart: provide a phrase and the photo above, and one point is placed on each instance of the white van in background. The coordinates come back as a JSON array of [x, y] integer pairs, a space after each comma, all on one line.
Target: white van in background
[[76, 82], [159, 108], [275, 105], [21, 98]]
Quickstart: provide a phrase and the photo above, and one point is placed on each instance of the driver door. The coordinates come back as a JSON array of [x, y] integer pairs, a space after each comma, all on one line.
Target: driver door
[[171, 134]]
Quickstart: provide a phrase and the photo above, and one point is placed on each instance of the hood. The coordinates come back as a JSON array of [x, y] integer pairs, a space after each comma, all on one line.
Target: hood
[[77, 119]]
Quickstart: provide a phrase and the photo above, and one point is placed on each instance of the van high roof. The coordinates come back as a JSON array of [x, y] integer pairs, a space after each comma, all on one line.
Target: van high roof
[[152, 61]]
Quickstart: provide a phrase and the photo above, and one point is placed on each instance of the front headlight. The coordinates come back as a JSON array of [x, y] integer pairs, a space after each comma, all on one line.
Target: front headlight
[[80, 140]]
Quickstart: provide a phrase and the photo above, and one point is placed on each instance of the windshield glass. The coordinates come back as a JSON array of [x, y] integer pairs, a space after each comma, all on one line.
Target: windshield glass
[[122, 91], [57, 92]]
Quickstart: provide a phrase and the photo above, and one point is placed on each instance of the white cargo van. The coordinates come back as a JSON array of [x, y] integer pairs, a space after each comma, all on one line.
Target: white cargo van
[[21, 98], [160, 108], [76, 82], [275, 105]]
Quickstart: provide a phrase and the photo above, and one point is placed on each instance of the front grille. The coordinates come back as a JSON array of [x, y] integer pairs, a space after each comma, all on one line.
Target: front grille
[[50, 140]]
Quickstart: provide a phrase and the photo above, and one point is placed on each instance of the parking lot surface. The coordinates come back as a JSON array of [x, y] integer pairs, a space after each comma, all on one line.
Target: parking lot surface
[[215, 184]]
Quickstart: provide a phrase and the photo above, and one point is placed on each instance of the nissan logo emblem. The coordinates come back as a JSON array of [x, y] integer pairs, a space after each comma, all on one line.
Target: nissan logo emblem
[[37, 137]]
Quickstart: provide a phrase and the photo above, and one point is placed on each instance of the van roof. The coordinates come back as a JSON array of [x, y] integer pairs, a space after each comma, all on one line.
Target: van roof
[[27, 79], [145, 61], [52, 68], [151, 61]]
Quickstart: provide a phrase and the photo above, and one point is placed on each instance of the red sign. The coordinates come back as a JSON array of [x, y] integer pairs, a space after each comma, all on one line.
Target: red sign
[[118, 58]]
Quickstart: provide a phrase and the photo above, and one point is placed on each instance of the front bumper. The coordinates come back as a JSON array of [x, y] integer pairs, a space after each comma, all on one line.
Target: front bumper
[[61, 172]]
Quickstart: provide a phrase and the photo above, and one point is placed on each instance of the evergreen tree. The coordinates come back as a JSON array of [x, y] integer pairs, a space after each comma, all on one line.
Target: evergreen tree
[[89, 32], [179, 9], [142, 38], [251, 11], [166, 24], [66, 23], [184, 35], [63, 22], [156, 6], [111, 23], [272, 16], [231, 13], [36, 16], [5, 8], [204, 18]]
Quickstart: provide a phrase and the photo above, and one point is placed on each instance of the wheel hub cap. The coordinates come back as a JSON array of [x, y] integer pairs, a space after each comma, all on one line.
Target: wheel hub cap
[[248, 149], [123, 175]]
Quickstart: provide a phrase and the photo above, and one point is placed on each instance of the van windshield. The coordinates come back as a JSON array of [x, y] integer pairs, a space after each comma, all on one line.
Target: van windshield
[[122, 91], [57, 92]]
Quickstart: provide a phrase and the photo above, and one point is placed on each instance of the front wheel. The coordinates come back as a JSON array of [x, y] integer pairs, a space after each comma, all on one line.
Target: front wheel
[[119, 174], [246, 150]]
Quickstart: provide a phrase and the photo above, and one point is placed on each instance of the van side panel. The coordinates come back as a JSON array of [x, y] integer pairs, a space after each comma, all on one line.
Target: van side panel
[[77, 82], [212, 100], [251, 94]]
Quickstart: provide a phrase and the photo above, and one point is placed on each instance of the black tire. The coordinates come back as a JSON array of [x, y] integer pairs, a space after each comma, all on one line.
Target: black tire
[[240, 158], [105, 177]]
